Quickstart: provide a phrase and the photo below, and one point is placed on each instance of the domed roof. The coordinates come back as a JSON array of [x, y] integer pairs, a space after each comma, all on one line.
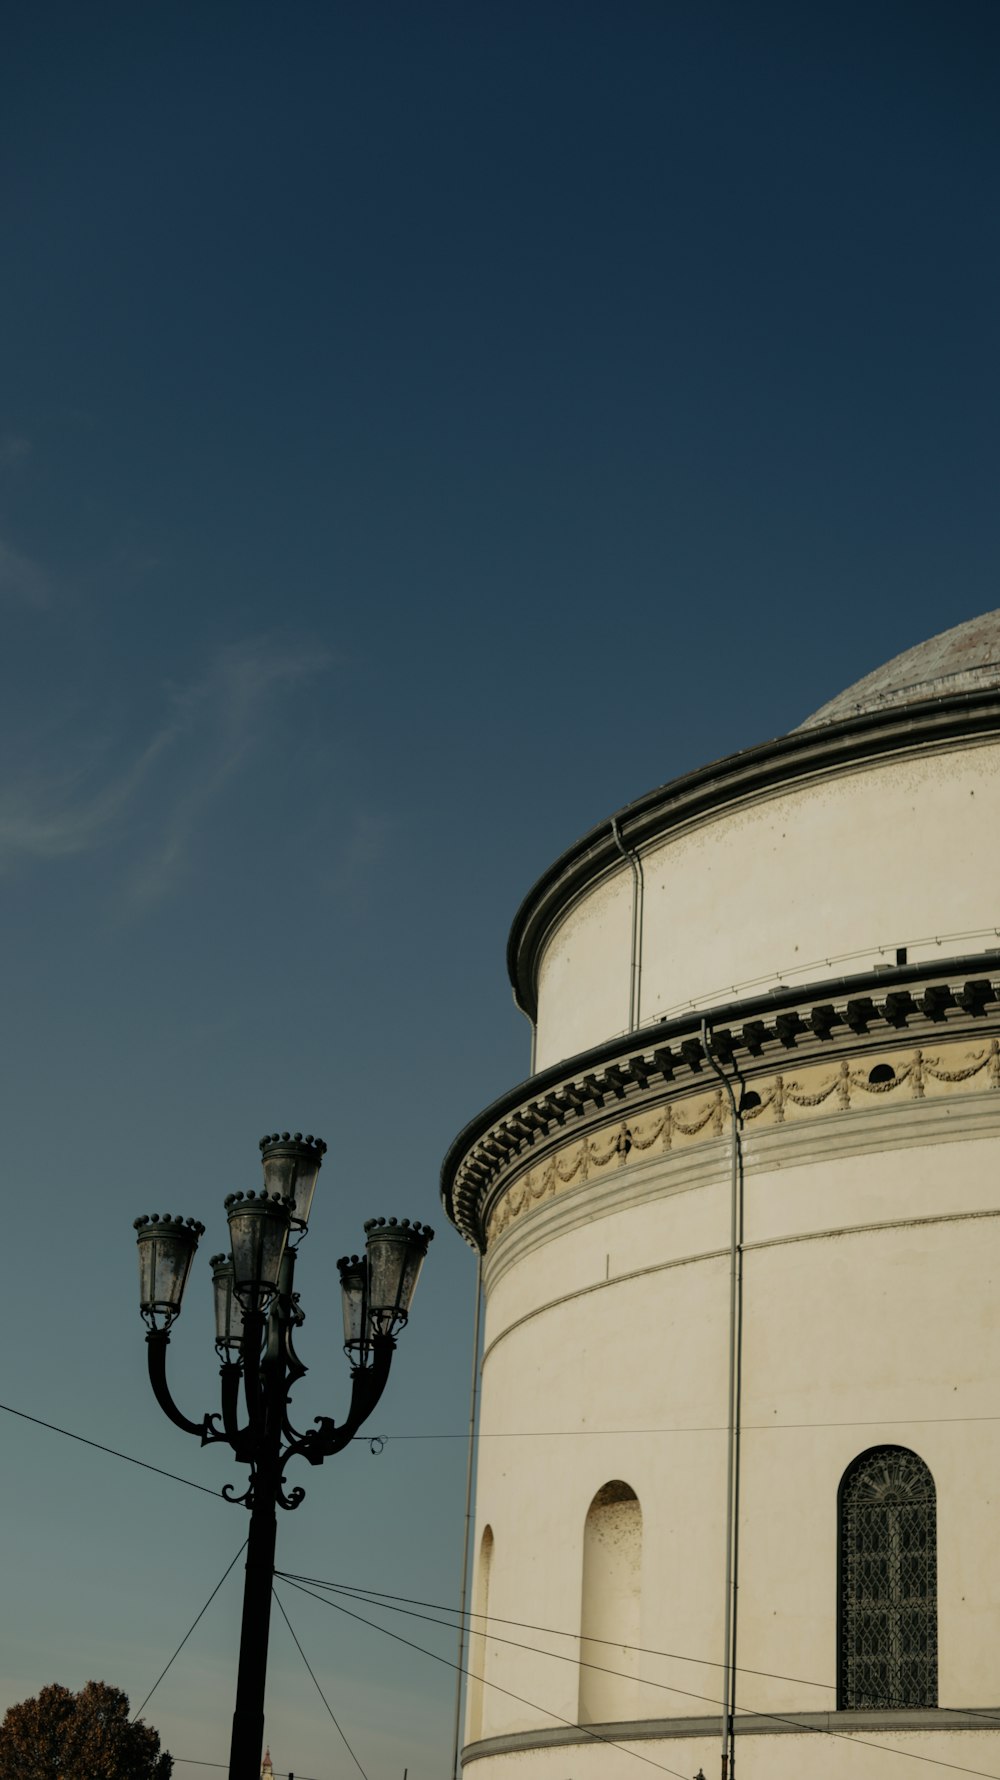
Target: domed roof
[[964, 659]]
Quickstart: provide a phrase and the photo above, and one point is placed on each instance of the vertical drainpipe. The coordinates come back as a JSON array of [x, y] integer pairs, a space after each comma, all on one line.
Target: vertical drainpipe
[[733, 1415], [466, 1554], [534, 1042], [635, 967]]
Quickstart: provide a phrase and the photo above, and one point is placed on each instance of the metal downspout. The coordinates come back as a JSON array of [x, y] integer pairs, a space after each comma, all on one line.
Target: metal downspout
[[733, 1414], [469, 1469], [635, 970], [534, 1037]]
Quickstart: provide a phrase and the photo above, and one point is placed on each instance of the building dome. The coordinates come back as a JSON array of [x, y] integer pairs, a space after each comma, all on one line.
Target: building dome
[[963, 659]]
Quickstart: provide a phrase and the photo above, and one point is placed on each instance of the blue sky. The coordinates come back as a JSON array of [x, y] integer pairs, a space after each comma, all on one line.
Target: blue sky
[[422, 430]]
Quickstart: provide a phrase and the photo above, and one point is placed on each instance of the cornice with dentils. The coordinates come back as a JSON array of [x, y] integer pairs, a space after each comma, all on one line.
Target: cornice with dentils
[[958, 996]]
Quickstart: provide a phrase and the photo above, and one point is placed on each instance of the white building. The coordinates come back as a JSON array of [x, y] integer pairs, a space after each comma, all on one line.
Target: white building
[[741, 1240]]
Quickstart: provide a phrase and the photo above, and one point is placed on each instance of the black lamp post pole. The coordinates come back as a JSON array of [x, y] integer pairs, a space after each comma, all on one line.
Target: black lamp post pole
[[248, 1716], [257, 1313]]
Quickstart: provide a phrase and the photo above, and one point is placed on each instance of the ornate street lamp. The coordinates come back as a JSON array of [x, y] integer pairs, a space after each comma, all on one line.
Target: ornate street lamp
[[256, 1314]]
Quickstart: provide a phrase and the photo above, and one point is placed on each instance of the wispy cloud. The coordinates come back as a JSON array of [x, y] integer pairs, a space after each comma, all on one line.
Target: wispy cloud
[[22, 579], [367, 843], [206, 736], [227, 710], [13, 450]]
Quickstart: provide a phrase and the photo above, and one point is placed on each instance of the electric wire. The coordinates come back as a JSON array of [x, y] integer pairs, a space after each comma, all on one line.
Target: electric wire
[[910, 1421], [375, 1597], [316, 1684], [750, 1711], [882, 1421], [548, 1434], [397, 1638], [190, 1629], [556, 1655], [192, 1761], [112, 1450]]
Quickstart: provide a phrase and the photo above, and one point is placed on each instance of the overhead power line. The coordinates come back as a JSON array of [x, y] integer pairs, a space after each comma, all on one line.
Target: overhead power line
[[773, 1427], [389, 1605], [380, 1440], [370, 1599], [557, 1656], [374, 1597], [192, 1761], [546, 1434], [113, 1452], [609, 1742], [750, 1711], [338, 1728], [190, 1629]]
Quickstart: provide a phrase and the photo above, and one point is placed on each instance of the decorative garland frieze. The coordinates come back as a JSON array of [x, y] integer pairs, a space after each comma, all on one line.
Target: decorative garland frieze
[[668, 1078], [775, 1101]]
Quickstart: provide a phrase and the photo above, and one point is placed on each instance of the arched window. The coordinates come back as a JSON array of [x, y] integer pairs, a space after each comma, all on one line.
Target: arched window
[[478, 1638], [609, 1618], [888, 1582]]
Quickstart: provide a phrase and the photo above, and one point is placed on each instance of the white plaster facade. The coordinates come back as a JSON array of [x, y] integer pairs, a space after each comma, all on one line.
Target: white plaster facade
[[783, 886], [828, 906]]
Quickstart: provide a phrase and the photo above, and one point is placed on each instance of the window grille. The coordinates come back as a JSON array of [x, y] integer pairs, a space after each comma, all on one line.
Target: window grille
[[888, 1582]]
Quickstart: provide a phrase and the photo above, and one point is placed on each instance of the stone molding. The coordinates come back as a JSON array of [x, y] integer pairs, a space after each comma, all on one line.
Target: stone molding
[[783, 1099], [807, 1054], [902, 1125], [833, 1232], [751, 1724]]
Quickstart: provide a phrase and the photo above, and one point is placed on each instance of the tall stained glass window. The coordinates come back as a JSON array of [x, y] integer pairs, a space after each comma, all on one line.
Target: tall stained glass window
[[888, 1582]]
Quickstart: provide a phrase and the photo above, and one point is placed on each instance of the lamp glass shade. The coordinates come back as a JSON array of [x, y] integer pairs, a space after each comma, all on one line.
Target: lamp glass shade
[[258, 1232], [291, 1168], [228, 1309], [354, 1296], [396, 1254], [416, 1254], [166, 1249]]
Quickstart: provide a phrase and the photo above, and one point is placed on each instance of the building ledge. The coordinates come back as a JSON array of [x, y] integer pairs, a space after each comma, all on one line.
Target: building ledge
[[750, 1724], [839, 1017]]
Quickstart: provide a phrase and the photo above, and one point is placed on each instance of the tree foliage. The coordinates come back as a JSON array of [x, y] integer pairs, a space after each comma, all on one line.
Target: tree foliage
[[60, 1735]]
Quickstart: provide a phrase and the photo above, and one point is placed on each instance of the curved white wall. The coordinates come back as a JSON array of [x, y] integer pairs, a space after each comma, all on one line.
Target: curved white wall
[[889, 854], [871, 1316], [584, 979]]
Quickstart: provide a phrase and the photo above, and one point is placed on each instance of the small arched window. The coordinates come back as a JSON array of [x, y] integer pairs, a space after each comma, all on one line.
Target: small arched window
[[888, 1582], [610, 1611]]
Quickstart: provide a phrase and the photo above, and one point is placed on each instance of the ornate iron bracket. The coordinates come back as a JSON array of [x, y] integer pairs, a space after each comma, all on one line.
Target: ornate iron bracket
[[267, 1440]]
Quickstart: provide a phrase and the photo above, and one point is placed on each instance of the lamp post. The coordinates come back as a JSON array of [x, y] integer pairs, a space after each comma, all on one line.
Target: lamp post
[[256, 1315]]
